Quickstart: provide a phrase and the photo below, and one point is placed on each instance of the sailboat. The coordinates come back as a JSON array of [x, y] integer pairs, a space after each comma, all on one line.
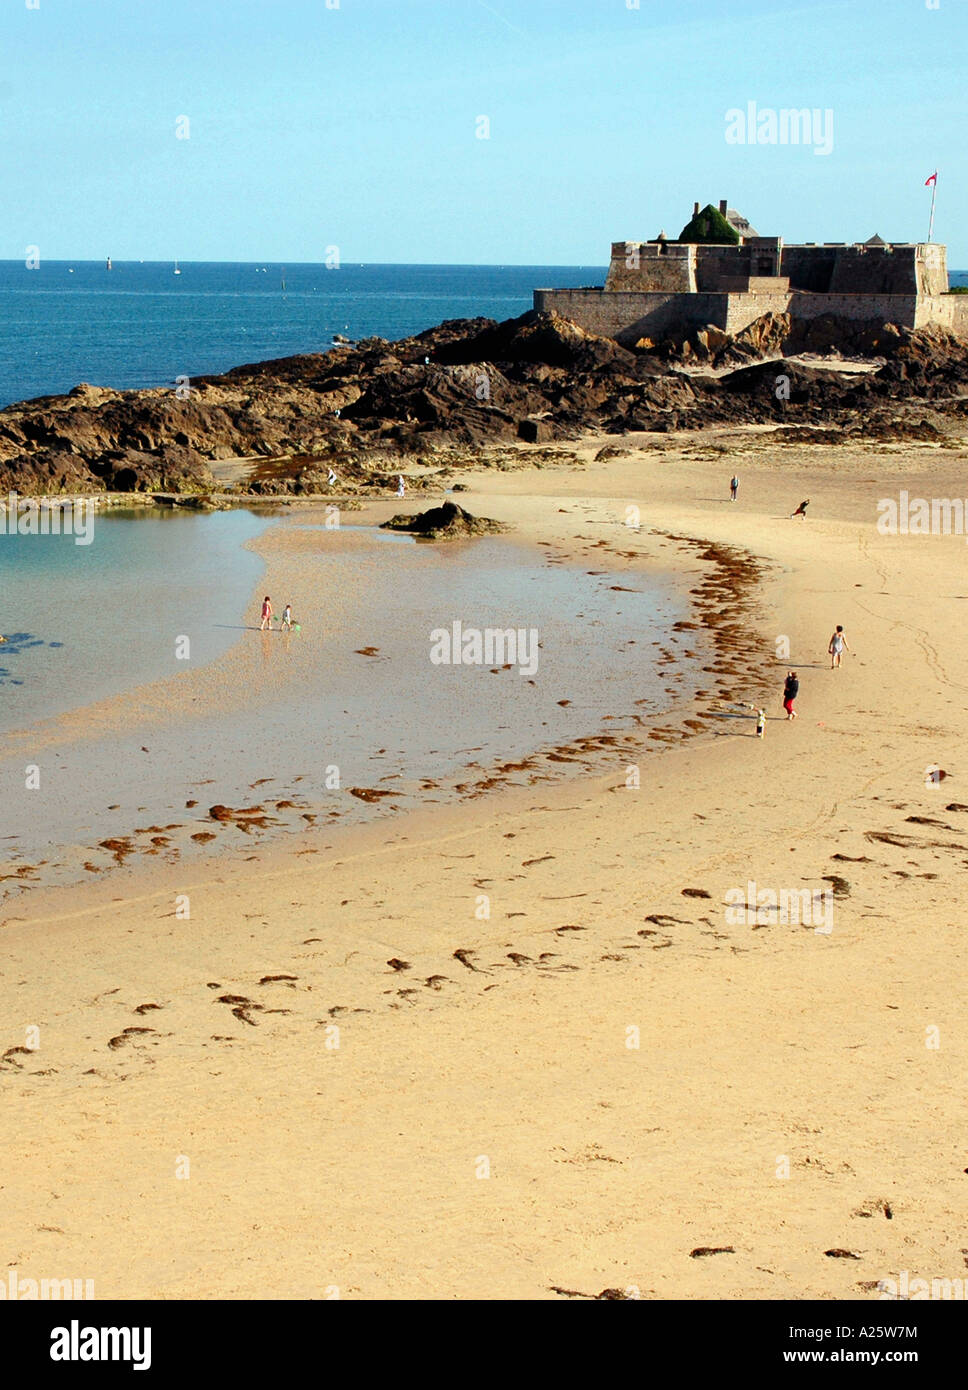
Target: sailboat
[[177, 271]]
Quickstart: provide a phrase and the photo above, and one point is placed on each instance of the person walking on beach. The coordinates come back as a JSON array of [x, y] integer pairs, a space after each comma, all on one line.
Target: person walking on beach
[[286, 624], [266, 615], [733, 487], [837, 645], [801, 510], [401, 490], [791, 690]]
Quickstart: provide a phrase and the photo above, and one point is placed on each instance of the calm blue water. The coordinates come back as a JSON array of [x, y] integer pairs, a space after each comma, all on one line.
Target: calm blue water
[[141, 325], [84, 621], [104, 617]]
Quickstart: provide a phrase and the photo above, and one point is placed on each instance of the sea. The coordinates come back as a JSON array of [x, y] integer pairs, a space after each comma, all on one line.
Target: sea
[[140, 324], [83, 621]]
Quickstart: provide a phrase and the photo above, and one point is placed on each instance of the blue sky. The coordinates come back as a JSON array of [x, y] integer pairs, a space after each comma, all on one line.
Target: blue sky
[[316, 124]]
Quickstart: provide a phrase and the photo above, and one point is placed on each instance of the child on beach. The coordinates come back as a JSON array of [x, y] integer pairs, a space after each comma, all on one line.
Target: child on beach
[[791, 690], [286, 624], [266, 615], [837, 645], [801, 510], [760, 716]]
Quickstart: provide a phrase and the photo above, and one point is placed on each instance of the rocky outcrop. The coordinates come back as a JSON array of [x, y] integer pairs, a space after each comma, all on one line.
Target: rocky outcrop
[[445, 523], [781, 335], [461, 387]]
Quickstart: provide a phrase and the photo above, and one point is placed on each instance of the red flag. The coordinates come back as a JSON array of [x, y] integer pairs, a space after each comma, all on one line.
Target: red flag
[[932, 179]]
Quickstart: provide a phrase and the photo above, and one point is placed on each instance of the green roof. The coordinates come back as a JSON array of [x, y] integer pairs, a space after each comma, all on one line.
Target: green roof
[[709, 226]]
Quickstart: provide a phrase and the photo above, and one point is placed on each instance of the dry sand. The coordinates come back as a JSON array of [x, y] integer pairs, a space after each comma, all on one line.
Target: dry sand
[[482, 1125]]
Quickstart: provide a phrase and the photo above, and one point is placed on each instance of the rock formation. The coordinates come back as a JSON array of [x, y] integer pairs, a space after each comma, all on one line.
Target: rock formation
[[445, 523], [460, 387]]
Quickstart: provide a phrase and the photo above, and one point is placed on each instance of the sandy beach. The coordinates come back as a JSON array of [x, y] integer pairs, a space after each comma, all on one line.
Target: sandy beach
[[515, 1043]]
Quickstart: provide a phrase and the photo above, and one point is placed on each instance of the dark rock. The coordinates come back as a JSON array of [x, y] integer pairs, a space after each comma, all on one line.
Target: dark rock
[[473, 383], [447, 522]]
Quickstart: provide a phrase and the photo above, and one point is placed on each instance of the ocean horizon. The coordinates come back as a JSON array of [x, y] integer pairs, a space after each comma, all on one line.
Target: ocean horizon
[[140, 325]]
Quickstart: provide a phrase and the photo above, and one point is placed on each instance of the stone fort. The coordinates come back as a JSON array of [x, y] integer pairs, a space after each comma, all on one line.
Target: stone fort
[[655, 289]]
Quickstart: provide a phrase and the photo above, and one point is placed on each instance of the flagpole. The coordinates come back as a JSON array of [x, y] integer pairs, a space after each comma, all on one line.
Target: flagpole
[[934, 192]]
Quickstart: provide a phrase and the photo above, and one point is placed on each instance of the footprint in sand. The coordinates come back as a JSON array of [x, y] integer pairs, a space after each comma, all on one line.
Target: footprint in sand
[[464, 957], [606, 1295], [874, 1206], [841, 886], [122, 1038], [11, 1053]]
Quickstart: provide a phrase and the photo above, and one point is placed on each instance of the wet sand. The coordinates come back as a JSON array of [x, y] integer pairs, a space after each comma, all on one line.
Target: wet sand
[[514, 1046], [327, 723]]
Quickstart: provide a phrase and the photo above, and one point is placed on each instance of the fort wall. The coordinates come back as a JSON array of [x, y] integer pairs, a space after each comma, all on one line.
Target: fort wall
[[857, 308], [946, 310], [684, 268], [932, 268], [630, 315], [744, 309], [652, 267], [657, 289]]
